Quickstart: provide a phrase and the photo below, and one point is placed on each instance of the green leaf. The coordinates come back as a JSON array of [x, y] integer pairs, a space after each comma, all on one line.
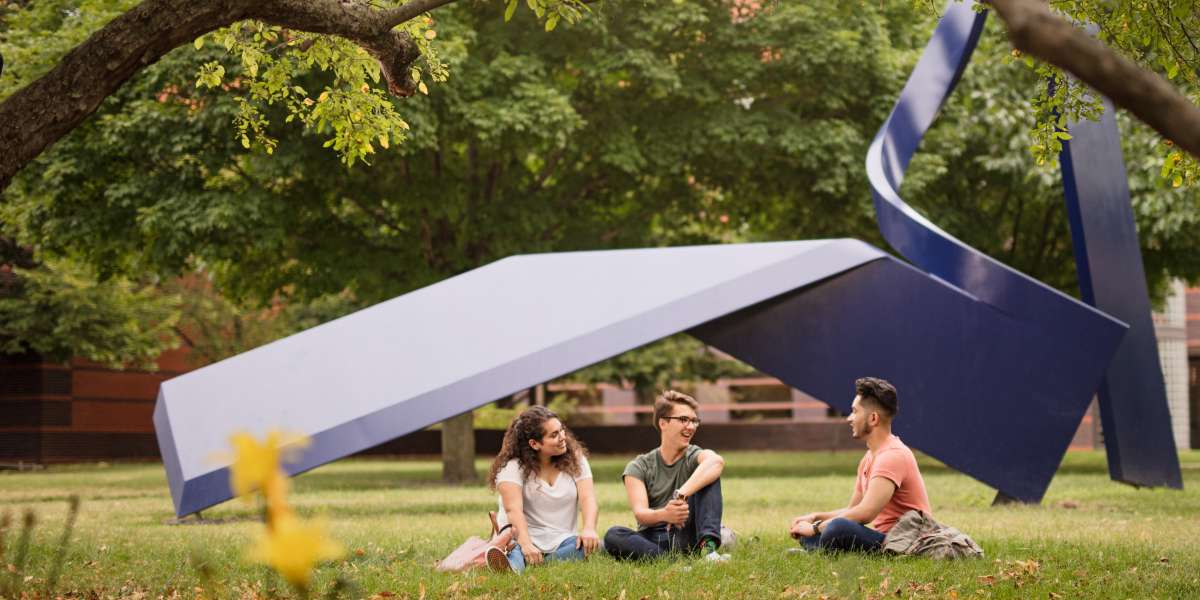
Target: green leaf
[[552, 22], [199, 43], [245, 142], [510, 10]]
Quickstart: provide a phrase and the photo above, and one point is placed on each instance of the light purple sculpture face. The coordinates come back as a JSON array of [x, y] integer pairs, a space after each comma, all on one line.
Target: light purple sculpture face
[[407, 363]]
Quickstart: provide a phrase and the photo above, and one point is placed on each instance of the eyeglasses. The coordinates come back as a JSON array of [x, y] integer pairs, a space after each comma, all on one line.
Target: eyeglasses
[[685, 420]]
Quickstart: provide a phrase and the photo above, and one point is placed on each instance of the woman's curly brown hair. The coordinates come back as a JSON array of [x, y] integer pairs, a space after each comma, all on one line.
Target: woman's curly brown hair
[[529, 426]]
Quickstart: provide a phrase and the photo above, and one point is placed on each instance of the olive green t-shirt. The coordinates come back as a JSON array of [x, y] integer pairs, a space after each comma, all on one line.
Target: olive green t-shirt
[[660, 478]]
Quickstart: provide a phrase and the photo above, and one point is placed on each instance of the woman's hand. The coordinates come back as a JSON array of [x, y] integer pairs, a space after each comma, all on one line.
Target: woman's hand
[[588, 540], [533, 556]]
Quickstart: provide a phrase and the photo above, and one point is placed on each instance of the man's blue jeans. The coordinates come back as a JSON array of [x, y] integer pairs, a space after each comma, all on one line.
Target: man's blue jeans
[[844, 535], [704, 520], [565, 551]]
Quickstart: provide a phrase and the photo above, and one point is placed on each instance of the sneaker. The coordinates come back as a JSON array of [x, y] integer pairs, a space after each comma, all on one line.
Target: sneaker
[[716, 557], [728, 538], [497, 560]]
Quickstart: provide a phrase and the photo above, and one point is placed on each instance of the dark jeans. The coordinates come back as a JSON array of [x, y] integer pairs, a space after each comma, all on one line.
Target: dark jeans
[[844, 535], [704, 520]]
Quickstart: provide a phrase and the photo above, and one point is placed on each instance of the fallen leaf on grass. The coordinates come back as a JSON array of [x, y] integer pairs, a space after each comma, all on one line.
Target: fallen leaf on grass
[[421, 591], [791, 592], [987, 579]]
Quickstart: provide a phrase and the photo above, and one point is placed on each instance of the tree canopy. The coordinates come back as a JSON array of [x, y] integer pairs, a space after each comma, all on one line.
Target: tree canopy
[[689, 122], [359, 41]]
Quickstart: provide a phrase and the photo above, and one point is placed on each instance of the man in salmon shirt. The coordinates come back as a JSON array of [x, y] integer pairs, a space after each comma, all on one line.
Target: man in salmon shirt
[[889, 483]]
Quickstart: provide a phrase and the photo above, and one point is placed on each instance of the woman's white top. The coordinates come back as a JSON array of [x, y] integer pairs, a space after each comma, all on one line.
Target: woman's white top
[[552, 511]]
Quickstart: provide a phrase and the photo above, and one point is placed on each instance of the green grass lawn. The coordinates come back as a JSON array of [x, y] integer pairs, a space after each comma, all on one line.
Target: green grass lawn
[[1090, 537]]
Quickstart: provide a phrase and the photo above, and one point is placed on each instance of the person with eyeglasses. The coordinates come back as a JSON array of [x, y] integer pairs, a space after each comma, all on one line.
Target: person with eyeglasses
[[674, 490]]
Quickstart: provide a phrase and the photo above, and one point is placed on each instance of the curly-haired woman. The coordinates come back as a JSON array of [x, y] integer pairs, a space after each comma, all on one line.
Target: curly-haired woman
[[544, 481]]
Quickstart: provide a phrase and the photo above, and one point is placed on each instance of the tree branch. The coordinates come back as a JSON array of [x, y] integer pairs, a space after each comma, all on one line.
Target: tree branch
[[410, 10], [41, 113], [1035, 30]]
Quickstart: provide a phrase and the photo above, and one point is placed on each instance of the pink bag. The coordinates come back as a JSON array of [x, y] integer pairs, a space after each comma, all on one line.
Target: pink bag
[[472, 553]]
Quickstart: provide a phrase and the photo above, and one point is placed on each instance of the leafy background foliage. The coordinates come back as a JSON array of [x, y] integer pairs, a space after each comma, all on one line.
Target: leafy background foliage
[[676, 122]]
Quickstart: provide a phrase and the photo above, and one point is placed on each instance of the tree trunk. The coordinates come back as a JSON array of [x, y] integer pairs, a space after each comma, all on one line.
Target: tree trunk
[[458, 449]]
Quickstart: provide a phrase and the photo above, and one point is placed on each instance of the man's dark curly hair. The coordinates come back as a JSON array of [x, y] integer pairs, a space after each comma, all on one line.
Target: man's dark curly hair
[[878, 392], [529, 426]]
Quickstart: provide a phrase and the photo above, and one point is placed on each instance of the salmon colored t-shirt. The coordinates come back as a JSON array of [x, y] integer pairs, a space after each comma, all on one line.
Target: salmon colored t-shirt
[[896, 462]]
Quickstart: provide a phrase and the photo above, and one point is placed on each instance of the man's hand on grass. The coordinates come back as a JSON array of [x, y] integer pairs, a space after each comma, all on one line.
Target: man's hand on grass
[[801, 528]]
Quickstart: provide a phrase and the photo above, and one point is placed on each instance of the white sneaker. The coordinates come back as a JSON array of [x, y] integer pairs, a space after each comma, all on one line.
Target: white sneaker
[[497, 561], [716, 557], [728, 538]]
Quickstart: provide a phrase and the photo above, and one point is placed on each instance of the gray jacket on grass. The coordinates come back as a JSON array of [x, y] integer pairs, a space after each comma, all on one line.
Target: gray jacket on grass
[[916, 533]]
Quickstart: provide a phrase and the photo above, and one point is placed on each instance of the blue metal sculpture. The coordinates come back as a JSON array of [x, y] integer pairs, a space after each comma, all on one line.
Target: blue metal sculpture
[[1133, 402], [995, 368], [1133, 399]]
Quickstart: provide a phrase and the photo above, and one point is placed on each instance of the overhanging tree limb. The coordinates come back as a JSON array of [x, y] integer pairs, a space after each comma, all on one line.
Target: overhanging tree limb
[[38, 115], [1037, 31]]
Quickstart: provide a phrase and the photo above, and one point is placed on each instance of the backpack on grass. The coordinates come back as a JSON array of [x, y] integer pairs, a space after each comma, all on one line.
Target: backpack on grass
[[473, 552]]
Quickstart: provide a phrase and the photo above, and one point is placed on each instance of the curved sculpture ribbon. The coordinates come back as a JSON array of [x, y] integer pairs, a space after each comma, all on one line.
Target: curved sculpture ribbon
[[1133, 402]]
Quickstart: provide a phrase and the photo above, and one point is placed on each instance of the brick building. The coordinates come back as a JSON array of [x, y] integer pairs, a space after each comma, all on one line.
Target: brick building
[[83, 411]]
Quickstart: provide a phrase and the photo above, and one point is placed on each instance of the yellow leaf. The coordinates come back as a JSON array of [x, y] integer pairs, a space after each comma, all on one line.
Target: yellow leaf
[[403, 124], [365, 88], [430, 34], [199, 43], [423, 88], [323, 97], [383, 141]]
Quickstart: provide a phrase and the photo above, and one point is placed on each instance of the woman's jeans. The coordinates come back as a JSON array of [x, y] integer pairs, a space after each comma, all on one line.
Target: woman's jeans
[[844, 535], [704, 521], [565, 551]]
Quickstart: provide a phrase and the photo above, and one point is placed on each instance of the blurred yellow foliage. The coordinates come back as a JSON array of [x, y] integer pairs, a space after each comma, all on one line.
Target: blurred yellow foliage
[[293, 547], [287, 544]]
